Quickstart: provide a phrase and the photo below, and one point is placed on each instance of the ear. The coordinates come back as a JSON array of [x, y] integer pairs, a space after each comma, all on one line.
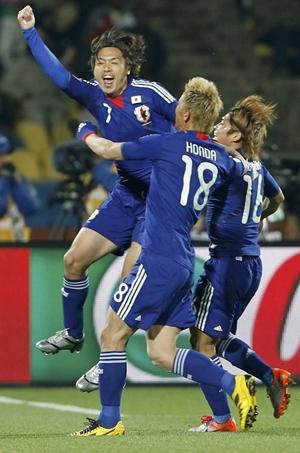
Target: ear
[[186, 117], [236, 136]]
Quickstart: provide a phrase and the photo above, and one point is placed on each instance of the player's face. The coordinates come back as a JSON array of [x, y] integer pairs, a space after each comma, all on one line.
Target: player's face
[[111, 71], [223, 132]]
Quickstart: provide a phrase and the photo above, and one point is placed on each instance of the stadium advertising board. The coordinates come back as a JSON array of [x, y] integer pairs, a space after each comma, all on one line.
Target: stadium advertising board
[[30, 309]]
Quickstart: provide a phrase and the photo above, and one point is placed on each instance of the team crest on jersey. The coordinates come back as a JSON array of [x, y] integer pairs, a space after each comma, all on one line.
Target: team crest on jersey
[[136, 99], [142, 113]]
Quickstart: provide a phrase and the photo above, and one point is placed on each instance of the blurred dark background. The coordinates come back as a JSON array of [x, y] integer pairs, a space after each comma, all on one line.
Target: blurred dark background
[[244, 46]]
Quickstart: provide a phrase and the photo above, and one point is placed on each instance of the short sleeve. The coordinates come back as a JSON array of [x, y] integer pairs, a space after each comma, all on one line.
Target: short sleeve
[[148, 147], [271, 187]]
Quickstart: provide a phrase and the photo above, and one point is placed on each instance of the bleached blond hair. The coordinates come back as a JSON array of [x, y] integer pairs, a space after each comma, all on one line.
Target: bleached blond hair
[[201, 98]]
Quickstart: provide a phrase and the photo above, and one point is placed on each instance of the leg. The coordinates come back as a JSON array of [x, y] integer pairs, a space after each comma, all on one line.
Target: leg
[[216, 398], [276, 380], [131, 258], [112, 372], [88, 247], [161, 345], [88, 382]]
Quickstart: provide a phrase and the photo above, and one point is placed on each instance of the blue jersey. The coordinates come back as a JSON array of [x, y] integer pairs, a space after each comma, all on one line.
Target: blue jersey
[[143, 107], [233, 213], [187, 167]]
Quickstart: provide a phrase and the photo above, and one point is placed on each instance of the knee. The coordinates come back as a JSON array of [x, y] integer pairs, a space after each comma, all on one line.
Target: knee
[[111, 340], [160, 356], [204, 344], [73, 264]]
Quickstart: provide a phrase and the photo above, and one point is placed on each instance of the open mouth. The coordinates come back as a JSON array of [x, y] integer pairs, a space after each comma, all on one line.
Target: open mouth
[[108, 81]]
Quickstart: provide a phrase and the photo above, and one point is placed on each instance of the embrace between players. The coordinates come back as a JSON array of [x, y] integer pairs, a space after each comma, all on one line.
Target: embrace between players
[[181, 172]]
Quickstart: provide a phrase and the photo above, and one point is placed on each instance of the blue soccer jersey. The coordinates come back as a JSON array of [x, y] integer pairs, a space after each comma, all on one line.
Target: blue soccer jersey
[[187, 167], [143, 108], [233, 212]]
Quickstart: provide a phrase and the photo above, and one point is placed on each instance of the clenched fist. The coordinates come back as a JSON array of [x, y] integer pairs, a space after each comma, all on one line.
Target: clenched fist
[[26, 18]]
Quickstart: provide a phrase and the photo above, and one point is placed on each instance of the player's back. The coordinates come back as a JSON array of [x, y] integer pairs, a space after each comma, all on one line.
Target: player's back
[[187, 168], [233, 213]]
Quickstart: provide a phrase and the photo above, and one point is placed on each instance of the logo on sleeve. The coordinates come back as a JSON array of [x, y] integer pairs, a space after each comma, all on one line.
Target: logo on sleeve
[[142, 113]]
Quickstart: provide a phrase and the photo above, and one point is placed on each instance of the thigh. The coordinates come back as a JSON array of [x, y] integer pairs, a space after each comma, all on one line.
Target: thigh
[[131, 258], [89, 246]]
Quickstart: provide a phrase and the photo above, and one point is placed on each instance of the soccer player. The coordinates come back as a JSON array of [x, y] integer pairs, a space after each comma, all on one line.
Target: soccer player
[[156, 296], [232, 274], [125, 108]]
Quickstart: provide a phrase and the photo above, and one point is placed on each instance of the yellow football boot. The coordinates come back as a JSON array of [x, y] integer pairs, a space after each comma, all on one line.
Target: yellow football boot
[[245, 400], [94, 429]]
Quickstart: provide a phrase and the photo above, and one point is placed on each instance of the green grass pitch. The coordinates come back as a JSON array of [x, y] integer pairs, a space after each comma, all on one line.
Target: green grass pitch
[[156, 420]]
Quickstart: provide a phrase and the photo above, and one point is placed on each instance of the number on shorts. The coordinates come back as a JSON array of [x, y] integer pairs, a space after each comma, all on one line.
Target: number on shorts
[[118, 296]]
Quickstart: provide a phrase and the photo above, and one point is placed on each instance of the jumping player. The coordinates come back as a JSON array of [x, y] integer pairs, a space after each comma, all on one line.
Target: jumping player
[[125, 108]]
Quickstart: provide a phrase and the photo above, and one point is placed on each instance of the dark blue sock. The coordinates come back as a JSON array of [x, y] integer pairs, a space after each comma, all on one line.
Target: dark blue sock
[[242, 356], [74, 293], [199, 368], [216, 397], [112, 377]]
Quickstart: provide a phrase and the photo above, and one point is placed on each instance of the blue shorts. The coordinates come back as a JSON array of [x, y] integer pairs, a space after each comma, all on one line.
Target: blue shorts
[[120, 218], [223, 291], [157, 291]]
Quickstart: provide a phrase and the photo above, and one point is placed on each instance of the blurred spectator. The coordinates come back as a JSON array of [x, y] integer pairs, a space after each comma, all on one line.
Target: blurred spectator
[[62, 24], [11, 46], [18, 199], [156, 54], [40, 112]]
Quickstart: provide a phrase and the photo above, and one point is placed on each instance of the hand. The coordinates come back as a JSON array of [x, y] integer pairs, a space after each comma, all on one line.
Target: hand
[[26, 18], [86, 129]]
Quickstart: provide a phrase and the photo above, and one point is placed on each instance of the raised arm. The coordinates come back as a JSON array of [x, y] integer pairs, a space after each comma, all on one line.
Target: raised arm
[[44, 57]]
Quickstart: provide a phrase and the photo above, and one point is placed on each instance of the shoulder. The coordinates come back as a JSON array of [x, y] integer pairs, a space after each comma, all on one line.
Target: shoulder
[[153, 88]]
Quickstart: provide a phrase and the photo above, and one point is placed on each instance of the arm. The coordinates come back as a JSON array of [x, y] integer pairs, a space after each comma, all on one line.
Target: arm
[[44, 57], [104, 148], [270, 207], [87, 133], [148, 147], [273, 194]]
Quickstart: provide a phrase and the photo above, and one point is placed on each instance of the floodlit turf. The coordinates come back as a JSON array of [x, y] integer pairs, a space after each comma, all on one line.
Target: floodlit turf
[[156, 420]]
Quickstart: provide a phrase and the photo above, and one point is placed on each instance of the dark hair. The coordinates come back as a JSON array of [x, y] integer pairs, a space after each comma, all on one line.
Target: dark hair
[[131, 45]]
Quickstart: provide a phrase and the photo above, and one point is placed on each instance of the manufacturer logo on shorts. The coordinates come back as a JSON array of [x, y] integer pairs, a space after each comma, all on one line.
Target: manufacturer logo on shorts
[[218, 328]]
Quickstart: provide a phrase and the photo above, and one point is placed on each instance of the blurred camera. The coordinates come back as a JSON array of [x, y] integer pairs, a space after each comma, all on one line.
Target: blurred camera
[[73, 158], [8, 170]]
